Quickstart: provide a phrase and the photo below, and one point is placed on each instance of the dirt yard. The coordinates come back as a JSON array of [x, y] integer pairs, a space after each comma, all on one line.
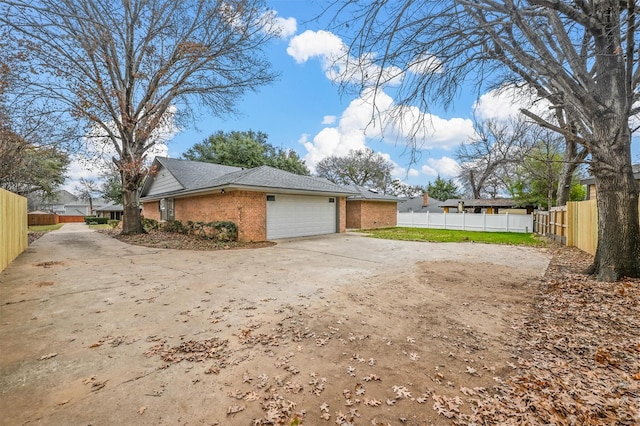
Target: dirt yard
[[338, 330]]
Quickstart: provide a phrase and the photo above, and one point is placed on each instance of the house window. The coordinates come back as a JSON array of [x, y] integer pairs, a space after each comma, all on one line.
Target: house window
[[332, 200], [271, 197]]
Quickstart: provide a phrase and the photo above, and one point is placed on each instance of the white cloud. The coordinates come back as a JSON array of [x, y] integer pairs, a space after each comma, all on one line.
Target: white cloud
[[429, 171], [336, 62], [506, 102], [287, 26], [360, 122], [397, 171], [329, 119], [374, 114], [413, 172], [425, 64], [310, 44], [444, 167]]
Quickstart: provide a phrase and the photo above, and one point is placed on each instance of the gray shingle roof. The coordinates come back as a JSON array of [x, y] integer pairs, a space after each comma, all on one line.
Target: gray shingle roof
[[490, 202], [367, 194], [195, 176], [415, 204], [111, 208]]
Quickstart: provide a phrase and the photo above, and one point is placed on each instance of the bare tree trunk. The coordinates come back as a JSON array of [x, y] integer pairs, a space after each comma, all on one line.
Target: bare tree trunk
[[618, 228], [572, 158], [131, 219]]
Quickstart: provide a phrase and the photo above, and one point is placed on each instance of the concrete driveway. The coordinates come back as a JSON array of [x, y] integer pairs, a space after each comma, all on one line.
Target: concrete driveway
[[78, 309]]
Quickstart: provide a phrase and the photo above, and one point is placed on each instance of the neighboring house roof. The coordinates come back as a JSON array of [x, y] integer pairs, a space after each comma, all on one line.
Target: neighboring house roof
[[191, 177], [111, 208], [489, 202], [416, 204], [60, 197], [591, 180], [370, 195]]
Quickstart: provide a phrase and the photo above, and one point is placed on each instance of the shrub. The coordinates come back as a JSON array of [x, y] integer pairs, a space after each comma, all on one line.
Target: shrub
[[219, 231], [174, 226], [93, 220], [113, 223], [150, 224], [224, 231]]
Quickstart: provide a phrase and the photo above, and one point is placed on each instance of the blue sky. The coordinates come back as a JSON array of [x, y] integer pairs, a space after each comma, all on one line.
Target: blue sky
[[304, 109]]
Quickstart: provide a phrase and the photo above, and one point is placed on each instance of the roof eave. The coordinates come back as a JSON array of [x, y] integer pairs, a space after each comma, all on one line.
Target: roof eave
[[211, 190]]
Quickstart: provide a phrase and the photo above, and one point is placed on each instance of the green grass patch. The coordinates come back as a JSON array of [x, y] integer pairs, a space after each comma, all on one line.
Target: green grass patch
[[453, 236], [45, 228], [101, 226]]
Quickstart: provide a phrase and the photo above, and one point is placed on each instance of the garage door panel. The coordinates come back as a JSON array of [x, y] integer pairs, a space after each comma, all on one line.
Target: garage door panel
[[297, 216]]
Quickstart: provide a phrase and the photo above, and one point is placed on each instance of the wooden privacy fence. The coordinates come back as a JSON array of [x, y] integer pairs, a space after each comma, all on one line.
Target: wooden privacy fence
[[13, 227], [38, 219], [575, 224], [70, 219], [583, 225], [552, 223]]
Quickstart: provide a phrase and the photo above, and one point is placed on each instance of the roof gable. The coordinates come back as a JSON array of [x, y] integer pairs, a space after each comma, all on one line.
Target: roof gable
[[173, 175]]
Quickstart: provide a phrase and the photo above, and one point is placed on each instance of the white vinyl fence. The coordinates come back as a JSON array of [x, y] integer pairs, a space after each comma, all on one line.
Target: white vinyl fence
[[468, 221]]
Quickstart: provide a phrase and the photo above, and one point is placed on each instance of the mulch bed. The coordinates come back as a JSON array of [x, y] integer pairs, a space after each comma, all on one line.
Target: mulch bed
[[170, 240], [32, 236]]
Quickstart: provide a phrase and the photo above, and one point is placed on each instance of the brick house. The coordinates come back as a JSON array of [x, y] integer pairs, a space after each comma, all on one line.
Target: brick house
[[368, 209], [264, 202]]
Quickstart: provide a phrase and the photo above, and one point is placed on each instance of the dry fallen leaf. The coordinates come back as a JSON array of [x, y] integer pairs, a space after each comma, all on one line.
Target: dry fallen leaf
[[48, 356], [235, 409]]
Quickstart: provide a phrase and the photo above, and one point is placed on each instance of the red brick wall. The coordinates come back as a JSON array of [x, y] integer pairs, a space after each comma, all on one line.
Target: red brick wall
[[246, 209], [151, 210], [371, 214], [342, 214], [353, 214]]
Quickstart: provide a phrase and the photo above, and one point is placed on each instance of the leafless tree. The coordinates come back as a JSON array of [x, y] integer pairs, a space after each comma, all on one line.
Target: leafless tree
[[87, 190], [362, 167], [121, 67], [580, 56], [487, 159]]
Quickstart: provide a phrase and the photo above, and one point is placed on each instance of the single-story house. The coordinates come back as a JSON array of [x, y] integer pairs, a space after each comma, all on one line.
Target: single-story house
[[489, 206], [64, 203], [590, 182], [368, 209], [264, 202], [112, 211], [420, 204]]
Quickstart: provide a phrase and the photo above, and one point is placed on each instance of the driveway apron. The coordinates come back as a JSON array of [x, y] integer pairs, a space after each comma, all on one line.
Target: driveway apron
[[78, 309]]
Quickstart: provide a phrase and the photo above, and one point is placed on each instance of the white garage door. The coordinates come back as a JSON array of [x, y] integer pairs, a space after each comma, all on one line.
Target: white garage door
[[298, 216]]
